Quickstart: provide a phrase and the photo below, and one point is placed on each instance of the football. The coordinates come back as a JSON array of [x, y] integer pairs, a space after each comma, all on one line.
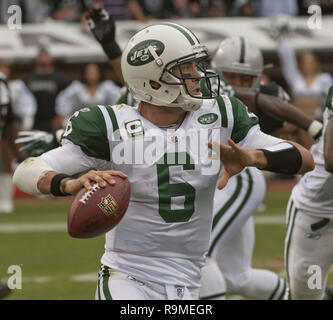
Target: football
[[95, 212]]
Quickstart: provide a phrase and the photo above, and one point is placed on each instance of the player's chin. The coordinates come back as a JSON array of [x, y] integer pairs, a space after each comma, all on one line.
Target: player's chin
[[196, 92]]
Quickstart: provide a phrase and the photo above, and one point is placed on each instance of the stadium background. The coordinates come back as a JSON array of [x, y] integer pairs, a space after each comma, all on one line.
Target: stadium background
[[34, 236]]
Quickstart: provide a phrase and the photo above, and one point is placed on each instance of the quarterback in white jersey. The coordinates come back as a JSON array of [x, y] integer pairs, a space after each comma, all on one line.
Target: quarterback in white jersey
[[159, 247], [309, 239]]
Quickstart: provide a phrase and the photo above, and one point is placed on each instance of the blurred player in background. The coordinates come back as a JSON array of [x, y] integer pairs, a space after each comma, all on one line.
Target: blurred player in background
[[22, 100], [309, 238], [240, 63], [8, 129], [9, 126]]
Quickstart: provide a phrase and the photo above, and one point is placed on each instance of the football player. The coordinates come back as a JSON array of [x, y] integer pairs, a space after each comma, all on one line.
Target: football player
[[308, 243], [159, 247], [241, 63], [8, 150]]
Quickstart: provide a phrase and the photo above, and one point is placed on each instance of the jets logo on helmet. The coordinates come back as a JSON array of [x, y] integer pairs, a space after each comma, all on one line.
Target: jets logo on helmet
[[146, 60], [140, 54]]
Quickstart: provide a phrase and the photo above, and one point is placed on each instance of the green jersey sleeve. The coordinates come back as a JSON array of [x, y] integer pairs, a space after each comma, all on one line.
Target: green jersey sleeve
[[124, 96], [87, 129], [329, 99], [243, 120]]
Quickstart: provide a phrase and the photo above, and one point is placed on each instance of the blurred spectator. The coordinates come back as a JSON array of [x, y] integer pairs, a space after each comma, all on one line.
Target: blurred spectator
[[272, 8], [69, 10], [22, 100], [45, 83], [182, 9], [92, 90], [308, 84], [33, 11], [243, 8], [194, 6], [118, 8], [145, 10], [325, 5], [208, 8], [217, 8]]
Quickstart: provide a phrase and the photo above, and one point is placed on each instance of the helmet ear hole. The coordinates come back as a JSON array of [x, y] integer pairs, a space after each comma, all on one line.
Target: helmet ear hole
[[154, 85]]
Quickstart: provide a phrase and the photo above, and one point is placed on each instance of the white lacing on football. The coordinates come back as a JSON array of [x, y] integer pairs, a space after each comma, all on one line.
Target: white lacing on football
[[89, 193]]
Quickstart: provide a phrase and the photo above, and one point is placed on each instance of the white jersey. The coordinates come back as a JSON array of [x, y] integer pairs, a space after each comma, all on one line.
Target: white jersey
[[314, 192], [77, 96], [164, 235]]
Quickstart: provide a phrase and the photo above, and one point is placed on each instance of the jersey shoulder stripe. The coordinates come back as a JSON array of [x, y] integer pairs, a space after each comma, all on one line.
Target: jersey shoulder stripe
[[115, 126], [243, 120], [87, 129], [223, 111]]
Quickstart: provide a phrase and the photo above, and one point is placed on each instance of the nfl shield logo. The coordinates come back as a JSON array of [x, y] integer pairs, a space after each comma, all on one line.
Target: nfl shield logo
[[180, 292]]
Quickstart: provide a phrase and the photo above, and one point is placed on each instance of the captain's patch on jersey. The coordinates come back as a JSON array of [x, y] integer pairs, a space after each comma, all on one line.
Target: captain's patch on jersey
[[134, 128]]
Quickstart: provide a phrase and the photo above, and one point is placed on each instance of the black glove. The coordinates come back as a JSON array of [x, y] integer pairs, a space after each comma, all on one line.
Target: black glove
[[103, 28]]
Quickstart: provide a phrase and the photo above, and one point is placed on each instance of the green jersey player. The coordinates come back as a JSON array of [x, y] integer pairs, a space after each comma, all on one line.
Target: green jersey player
[[159, 248]]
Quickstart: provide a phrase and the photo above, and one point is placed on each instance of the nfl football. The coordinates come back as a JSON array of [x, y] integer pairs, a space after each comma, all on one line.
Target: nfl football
[[95, 212]]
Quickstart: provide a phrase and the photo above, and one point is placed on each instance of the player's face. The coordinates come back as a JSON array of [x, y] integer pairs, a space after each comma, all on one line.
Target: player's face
[[92, 74], [187, 70], [238, 80]]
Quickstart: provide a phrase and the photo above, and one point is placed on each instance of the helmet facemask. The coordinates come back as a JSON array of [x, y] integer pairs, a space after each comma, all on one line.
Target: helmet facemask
[[171, 77]]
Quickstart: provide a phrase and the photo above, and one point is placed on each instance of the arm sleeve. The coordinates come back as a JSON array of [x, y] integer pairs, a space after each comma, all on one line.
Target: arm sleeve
[[288, 62], [260, 140], [70, 159]]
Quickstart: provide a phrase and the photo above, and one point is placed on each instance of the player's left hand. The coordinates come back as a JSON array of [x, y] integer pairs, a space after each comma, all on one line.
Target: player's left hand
[[233, 157]]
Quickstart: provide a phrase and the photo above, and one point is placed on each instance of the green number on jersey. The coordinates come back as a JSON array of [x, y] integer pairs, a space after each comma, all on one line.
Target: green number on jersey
[[167, 190]]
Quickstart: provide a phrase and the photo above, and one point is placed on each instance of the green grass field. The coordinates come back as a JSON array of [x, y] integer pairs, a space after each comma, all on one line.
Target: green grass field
[[56, 266]]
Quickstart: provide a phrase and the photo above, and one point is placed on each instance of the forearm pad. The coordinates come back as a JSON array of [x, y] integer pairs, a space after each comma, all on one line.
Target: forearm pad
[[112, 49], [283, 158], [28, 173]]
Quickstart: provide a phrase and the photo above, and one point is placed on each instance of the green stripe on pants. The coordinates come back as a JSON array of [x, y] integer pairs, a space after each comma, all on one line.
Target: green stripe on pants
[[106, 277], [290, 227], [232, 199]]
